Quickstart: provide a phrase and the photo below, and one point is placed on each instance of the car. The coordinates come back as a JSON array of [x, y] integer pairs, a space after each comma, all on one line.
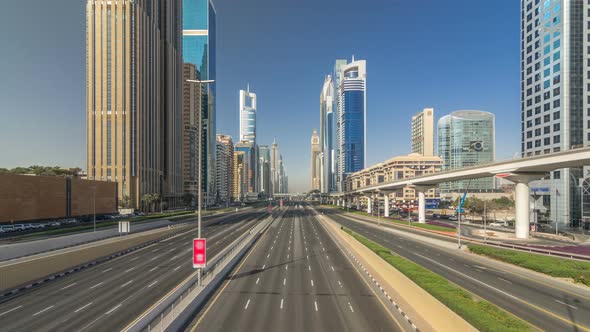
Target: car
[[497, 224], [55, 223], [453, 218], [8, 228], [19, 228]]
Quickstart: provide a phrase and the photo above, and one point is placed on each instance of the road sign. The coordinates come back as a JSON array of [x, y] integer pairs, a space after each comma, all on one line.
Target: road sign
[[199, 253], [124, 227]]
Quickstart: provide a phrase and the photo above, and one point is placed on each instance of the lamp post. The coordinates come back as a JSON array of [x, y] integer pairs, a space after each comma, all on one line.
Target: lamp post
[[200, 173]]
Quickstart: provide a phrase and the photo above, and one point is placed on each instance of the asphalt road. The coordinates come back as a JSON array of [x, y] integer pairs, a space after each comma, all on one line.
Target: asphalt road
[[110, 295], [548, 305], [295, 279], [26, 248]]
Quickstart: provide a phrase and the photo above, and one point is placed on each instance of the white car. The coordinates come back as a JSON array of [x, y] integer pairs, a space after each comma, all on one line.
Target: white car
[[497, 224]]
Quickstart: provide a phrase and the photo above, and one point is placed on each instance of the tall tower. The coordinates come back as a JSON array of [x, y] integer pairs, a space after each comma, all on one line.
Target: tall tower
[[337, 125], [224, 168], [275, 166], [423, 132], [315, 161], [199, 49], [555, 105], [248, 116], [352, 118], [133, 97], [327, 135]]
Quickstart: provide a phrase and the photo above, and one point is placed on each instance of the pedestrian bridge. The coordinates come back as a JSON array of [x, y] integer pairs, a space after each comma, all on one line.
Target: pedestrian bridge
[[520, 171]]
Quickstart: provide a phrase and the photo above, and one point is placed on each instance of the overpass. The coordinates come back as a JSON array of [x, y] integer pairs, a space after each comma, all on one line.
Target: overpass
[[519, 171]]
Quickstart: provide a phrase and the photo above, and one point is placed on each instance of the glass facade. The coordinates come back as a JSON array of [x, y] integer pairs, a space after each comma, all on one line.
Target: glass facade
[[465, 139]]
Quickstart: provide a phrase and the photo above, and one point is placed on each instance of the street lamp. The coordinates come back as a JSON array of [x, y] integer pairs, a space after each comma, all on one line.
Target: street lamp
[[200, 173]]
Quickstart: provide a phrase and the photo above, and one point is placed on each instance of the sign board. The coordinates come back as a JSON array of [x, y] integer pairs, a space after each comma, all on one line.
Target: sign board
[[432, 203], [199, 253], [124, 227]]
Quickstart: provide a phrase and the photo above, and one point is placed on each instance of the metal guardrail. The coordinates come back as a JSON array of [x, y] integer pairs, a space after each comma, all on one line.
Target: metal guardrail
[[165, 312]]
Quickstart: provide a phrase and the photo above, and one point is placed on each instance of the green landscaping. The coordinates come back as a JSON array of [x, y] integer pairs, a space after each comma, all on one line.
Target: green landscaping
[[482, 314], [556, 267]]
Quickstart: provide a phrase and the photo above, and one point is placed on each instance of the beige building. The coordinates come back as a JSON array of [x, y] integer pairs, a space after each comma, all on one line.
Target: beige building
[[397, 168], [191, 105], [133, 96], [316, 171], [224, 168], [240, 177], [423, 132]]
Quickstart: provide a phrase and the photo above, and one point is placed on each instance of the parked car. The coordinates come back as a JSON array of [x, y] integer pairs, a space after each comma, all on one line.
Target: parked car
[[453, 218], [55, 223], [19, 228], [498, 224]]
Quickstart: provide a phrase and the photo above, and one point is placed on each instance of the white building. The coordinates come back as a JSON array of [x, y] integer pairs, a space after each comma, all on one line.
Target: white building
[[248, 116]]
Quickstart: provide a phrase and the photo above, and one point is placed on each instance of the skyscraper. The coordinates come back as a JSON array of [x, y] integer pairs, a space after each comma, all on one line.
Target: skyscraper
[[336, 125], [240, 176], [224, 168], [133, 97], [275, 167], [351, 119], [316, 161], [466, 138], [250, 160], [327, 135], [555, 105], [248, 116], [423, 132], [199, 49], [190, 124], [265, 170]]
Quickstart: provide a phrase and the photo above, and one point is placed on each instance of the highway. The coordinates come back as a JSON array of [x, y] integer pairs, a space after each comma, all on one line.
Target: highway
[[546, 304], [295, 279], [110, 295]]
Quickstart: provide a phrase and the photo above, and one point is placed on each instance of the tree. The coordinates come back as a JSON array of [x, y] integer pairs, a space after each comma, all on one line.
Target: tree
[[147, 200], [125, 200], [187, 199], [156, 198]]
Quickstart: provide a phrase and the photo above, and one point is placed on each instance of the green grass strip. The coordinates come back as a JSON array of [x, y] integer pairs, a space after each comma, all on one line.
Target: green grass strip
[[482, 314], [556, 267]]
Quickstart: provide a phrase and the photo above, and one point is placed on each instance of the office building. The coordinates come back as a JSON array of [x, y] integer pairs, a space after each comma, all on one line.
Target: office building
[[327, 103], [224, 168], [190, 125], [423, 132], [250, 162], [555, 98], [199, 49], [465, 139], [240, 176], [248, 116], [265, 170], [274, 166], [133, 98], [316, 160], [351, 117]]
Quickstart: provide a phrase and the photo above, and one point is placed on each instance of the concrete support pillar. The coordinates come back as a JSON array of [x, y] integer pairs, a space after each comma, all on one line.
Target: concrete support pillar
[[421, 206], [348, 202], [522, 203], [358, 203], [369, 205], [386, 205]]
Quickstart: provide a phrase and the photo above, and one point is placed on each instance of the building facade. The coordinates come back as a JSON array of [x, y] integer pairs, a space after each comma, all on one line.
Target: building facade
[[327, 103], [555, 105], [423, 132], [351, 118], [275, 167], [265, 170], [248, 116], [199, 49], [240, 176], [250, 161], [316, 161], [190, 120], [465, 139], [133, 97], [224, 168]]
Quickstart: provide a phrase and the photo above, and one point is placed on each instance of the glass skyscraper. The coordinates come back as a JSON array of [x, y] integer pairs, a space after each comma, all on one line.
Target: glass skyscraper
[[351, 118], [555, 105], [465, 139], [198, 38]]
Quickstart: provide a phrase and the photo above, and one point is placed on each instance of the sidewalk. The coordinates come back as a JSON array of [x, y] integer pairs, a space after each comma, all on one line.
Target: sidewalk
[[427, 313]]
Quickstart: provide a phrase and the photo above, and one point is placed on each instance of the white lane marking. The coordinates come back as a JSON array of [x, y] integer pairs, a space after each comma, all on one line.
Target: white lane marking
[[154, 258], [399, 246], [569, 305], [172, 249], [155, 267], [134, 259], [333, 268], [153, 283], [339, 283], [281, 303], [11, 310], [100, 283], [157, 249], [466, 265], [257, 280], [178, 267], [309, 267], [107, 270], [286, 267], [82, 308], [68, 286], [478, 270], [507, 281], [113, 309], [316, 305], [350, 306], [311, 282], [327, 257], [174, 257], [267, 256], [42, 311], [452, 259], [480, 267], [284, 281], [247, 304], [127, 283], [288, 256], [131, 269], [263, 266]]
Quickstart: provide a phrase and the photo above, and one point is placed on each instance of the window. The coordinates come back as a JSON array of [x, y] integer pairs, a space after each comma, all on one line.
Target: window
[[529, 134], [529, 123], [556, 79], [537, 132], [547, 141], [529, 113], [546, 118], [529, 145], [546, 72], [556, 175], [547, 49], [556, 44], [556, 55], [537, 121], [546, 107], [557, 67], [556, 103], [537, 143], [546, 61], [556, 139], [547, 130], [556, 116], [556, 127]]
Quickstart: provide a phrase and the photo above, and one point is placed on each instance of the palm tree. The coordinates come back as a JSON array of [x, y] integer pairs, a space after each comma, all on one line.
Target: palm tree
[[187, 199], [156, 199], [147, 200]]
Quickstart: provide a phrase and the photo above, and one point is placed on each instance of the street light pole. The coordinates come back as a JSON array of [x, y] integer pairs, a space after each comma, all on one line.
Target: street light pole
[[200, 173]]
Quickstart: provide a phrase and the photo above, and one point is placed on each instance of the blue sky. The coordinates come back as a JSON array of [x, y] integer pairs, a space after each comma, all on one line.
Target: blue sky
[[450, 55]]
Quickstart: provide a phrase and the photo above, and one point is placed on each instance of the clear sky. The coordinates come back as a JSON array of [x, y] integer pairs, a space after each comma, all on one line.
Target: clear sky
[[450, 55]]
